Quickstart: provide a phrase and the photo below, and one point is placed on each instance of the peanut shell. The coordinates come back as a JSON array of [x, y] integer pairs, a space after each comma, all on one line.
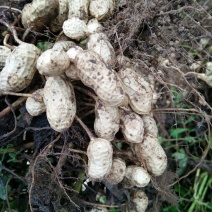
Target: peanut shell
[[4, 52], [117, 172], [138, 90], [33, 106], [53, 62], [63, 45], [140, 202], [75, 28], [101, 9], [20, 68], [60, 102], [150, 125], [152, 154], [99, 43], [79, 9], [107, 120], [94, 74], [100, 154], [132, 126], [57, 23], [39, 14], [94, 26], [137, 176]]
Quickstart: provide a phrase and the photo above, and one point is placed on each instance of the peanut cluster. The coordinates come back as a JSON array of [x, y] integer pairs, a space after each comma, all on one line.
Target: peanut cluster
[[124, 98]]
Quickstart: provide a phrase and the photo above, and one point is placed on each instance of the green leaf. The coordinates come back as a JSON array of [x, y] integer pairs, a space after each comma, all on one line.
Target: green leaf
[[3, 195], [102, 199], [43, 46], [177, 133]]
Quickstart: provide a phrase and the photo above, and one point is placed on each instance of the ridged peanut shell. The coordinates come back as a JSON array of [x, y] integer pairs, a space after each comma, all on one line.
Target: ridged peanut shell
[[63, 45], [150, 125], [152, 154], [140, 202], [117, 172], [57, 23], [53, 62], [39, 14], [20, 67], [100, 154], [34, 106], [101, 9], [94, 26], [132, 126], [107, 121], [4, 52], [99, 43], [79, 9], [60, 102], [137, 176], [75, 28], [138, 90], [94, 74]]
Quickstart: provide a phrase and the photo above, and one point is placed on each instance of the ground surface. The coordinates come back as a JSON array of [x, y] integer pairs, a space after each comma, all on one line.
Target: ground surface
[[164, 38]]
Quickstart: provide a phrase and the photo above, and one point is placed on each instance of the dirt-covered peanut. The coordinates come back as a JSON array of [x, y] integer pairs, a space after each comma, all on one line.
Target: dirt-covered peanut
[[101, 9], [151, 153], [63, 45], [140, 202], [136, 176], [107, 121], [94, 26], [132, 126], [75, 28], [117, 172], [72, 72], [4, 52], [39, 14], [34, 106], [57, 23], [20, 67], [138, 90], [79, 9], [94, 73], [123, 62], [100, 154], [150, 125], [99, 43], [53, 62], [60, 102]]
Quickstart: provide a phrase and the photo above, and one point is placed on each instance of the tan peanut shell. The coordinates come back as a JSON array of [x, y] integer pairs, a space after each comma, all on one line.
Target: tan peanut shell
[[33, 106], [63, 45], [94, 74], [57, 23], [140, 202], [4, 52], [123, 62], [117, 172], [101, 9], [137, 176], [107, 121], [152, 154], [20, 68], [60, 102], [100, 153], [138, 90], [99, 43], [150, 125], [39, 14], [53, 62], [79, 9], [94, 26], [75, 28], [72, 72], [132, 126]]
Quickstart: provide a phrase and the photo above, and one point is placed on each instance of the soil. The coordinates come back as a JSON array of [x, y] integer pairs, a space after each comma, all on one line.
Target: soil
[[164, 38]]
